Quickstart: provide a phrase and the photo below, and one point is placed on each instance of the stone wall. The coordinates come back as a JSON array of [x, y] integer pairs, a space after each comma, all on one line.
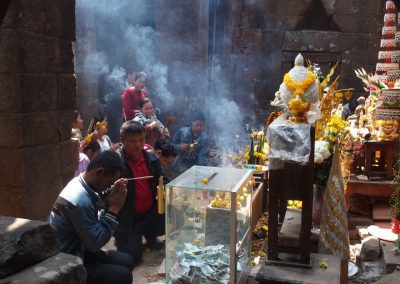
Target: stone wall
[[182, 45], [37, 102], [267, 35]]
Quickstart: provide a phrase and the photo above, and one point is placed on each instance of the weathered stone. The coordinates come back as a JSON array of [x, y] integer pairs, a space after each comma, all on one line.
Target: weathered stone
[[49, 17], [284, 23], [390, 255], [32, 53], [323, 41], [66, 91], [357, 7], [389, 278], [24, 242], [381, 211], [10, 92], [64, 124], [358, 58], [39, 128], [285, 7], [357, 23], [11, 198], [11, 165], [60, 268], [371, 249], [69, 160], [11, 132], [38, 93]]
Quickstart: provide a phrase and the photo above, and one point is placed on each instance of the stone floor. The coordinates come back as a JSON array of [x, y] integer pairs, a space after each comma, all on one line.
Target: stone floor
[[147, 270]]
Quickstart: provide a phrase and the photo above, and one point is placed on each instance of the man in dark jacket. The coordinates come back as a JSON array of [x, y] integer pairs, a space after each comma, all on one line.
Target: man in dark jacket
[[84, 225], [139, 216]]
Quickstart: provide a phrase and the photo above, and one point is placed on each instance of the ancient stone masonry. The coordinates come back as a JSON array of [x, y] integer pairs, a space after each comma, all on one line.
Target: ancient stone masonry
[[38, 98], [267, 35]]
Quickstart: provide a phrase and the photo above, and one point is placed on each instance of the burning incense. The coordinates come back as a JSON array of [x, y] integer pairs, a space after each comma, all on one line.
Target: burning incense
[[136, 178]]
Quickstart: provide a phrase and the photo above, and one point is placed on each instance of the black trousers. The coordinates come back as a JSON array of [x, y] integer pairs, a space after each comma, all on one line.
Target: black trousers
[[108, 267], [150, 225]]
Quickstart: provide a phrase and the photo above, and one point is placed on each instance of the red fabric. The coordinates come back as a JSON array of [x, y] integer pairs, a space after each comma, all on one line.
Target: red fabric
[[143, 195], [130, 101]]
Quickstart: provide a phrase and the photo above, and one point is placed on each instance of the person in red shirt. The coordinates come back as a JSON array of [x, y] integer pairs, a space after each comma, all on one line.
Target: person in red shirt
[[139, 216], [132, 96]]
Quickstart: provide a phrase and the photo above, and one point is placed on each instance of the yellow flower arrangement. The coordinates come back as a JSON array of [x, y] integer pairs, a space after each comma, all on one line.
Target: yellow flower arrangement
[[299, 88], [296, 105]]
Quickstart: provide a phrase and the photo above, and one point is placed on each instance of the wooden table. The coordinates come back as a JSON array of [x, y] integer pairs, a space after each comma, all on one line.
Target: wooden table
[[368, 188]]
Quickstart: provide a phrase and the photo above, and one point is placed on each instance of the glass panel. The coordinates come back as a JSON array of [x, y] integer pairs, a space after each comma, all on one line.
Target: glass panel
[[211, 178], [199, 223]]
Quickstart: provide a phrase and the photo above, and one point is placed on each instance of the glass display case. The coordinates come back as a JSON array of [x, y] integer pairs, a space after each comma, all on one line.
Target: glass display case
[[208, 219]]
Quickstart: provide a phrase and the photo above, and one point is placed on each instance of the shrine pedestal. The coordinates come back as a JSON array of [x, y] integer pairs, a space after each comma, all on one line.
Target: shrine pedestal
[[282, 274]]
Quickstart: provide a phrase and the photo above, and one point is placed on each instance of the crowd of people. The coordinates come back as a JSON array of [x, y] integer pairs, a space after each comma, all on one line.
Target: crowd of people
[[114, 191]]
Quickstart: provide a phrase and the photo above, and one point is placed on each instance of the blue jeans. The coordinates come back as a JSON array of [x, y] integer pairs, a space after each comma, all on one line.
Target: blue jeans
[[108, 267]]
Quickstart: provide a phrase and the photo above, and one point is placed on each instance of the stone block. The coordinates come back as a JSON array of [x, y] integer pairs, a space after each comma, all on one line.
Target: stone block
[[390, 255], [33, 53], [357, 7], [64, 123], [354, 220], [359, 58], [38, 93], [324, 41], [357, 23], [284, 23], [381, 211], [39, 128], [60, 268], [11, 165], [54, 18], [69, 160], [66, 91], [389, 278], [28, 92], [371, 249], [28, 129], [285, 7], [10, 85], [11, 198], [24, 242], [11, 131], [9, 56]]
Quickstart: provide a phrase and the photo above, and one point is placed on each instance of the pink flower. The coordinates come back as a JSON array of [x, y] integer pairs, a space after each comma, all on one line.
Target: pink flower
[[347, 145]]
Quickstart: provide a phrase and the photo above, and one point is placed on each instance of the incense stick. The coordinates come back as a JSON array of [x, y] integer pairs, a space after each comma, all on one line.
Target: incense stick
[[136, 178]]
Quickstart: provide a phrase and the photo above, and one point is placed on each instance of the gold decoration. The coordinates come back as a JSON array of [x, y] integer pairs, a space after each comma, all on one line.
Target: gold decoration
[[298, 110], [299, 88], [388, 130]]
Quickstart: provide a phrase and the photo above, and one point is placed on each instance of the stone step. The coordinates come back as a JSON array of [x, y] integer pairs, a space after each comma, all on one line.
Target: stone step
[[289, 235], [381, 211], [282, 274], [60, 268], [390, 255], [23, 243]]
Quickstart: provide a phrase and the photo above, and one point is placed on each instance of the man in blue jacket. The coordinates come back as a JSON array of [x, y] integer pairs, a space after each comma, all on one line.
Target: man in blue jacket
[[84, 223], [191, 143]]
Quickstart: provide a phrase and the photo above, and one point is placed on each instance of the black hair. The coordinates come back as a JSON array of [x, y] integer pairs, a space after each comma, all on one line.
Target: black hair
[[144, 101], [131, 127], [167, 149], [198, 115], [110, 161], [139, 75], [93, 145], [76, 114]]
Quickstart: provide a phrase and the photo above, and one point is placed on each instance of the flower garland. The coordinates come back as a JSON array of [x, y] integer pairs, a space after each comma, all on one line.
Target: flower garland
[[299, 88]]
